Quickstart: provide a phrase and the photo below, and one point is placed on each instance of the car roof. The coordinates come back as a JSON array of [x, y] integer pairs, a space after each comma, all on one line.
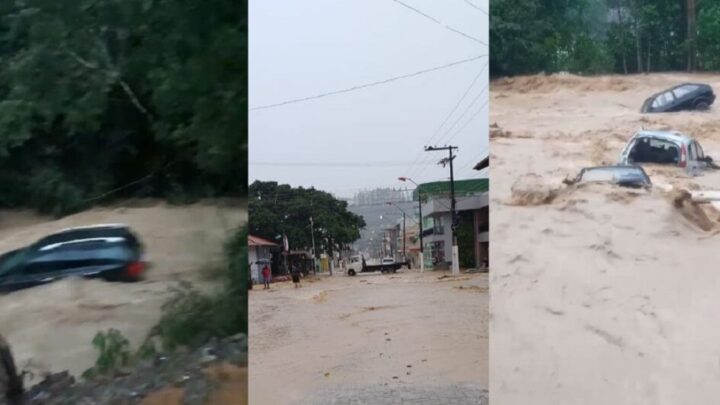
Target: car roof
[[673, 136], [97, 226], [85, 232], [680, 85]]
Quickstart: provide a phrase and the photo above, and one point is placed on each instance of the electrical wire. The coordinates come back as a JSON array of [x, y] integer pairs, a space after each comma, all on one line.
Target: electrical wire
[[420, 156], [423, 167], [366, 85], [331, 164], [436, 21], [475, 6]]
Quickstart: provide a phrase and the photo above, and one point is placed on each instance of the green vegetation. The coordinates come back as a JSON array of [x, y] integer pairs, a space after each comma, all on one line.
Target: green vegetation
[[103, 99], [114, 353], [603, 36], [281, 209]]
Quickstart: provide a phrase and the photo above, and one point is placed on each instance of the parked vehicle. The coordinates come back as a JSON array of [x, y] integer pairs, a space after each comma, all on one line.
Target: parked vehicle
[[687, 96], [359, 265], [666, 147], [624, 176], [111, 252]]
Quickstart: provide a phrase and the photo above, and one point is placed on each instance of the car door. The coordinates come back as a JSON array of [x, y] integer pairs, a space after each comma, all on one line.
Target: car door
[[694, 165], [685, 96]]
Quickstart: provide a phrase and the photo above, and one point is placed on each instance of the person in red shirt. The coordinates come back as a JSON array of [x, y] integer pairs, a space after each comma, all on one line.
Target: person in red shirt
[[266, 276]]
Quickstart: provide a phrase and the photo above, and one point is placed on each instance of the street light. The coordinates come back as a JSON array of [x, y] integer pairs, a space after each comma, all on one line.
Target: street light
[[420, 225]]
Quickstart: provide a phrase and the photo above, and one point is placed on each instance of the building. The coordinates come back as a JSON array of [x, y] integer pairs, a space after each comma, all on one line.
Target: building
[[472, 206], [258, 251]]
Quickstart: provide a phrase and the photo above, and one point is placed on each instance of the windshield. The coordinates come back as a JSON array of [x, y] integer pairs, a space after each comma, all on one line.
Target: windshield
[[10, 261]]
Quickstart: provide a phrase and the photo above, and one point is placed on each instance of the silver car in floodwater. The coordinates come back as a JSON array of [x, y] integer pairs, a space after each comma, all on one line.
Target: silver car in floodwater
[[666, 147]]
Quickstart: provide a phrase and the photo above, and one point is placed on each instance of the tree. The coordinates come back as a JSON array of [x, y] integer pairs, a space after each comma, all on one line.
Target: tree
[[105, 99], [277, 209]]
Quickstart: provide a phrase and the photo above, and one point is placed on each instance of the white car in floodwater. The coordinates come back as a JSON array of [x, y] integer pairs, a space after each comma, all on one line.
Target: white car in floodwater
[[666, 147]]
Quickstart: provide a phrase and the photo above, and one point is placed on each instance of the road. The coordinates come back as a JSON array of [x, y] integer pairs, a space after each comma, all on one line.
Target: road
[[600, 295], [407, 338]]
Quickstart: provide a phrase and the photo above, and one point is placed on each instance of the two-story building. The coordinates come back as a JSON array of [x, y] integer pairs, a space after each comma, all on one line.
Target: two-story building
[[472, 207]]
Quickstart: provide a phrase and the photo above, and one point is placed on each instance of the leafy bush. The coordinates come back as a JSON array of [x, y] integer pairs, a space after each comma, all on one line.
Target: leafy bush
[[114, 351]]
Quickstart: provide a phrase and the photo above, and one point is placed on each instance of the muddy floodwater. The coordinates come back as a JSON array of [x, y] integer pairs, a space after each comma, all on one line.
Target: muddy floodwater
[[50, 328], [368, 335], [600, 294]]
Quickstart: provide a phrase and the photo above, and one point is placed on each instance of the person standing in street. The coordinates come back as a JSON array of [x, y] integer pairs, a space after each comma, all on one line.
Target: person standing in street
[[266, 277], [296, 276]]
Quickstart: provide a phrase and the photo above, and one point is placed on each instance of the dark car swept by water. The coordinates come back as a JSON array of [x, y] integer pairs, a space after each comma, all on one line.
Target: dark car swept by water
[[685, 97], [111, 252], [621, 175]]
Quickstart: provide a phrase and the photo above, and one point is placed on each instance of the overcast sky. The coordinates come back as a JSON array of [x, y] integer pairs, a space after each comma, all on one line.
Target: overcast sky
[[366, 138]]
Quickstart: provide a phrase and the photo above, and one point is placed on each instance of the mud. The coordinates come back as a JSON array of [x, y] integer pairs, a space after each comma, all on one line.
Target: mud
[[408, 330], [600, 294]]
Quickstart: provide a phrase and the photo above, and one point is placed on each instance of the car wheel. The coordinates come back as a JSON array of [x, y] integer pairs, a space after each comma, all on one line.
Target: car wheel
[[351, 272], [702, 105]]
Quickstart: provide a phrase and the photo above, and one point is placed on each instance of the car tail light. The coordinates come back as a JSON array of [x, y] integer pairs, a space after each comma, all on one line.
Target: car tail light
[[135, 269], [683, 156]]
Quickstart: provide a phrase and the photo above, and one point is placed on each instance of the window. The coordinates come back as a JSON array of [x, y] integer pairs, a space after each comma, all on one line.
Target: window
[[682, 91], [663, 99], [699, 150], [692, 152], [652, 150]]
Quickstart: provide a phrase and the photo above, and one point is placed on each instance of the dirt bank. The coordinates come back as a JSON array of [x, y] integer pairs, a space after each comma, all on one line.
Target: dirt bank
[[383, 331], [601, 295], [51, 327]]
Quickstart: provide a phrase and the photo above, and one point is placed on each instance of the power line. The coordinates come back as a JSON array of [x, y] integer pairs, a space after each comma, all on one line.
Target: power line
[[421, 156], [366, 85], [424, 164], [475, 6], [426, 160], [436, 21], [331, 164], [472, 118]]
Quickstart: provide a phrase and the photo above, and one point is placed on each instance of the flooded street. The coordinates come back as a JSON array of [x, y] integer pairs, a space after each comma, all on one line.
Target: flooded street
[[370, 338], [50, 328], [600, 294]]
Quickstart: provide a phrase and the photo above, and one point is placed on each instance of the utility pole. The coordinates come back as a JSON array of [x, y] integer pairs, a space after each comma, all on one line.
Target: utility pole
[[420, 222], [312, 236], [404, 251], [453, 213]]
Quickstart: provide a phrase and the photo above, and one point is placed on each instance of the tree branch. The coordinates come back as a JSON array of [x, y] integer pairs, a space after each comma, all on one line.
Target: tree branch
[[115, 76]]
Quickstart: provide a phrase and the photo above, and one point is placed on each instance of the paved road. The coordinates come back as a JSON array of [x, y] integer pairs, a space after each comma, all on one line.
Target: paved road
[[370, 339], [454, 394]]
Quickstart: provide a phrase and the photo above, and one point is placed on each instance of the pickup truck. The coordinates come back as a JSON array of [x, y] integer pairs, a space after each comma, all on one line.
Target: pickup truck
[[358, 265]]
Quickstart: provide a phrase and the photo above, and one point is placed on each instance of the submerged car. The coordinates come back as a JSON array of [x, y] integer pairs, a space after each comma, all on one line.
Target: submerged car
[[624, 176], [111, 252], [665, 147], [687, 96]]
